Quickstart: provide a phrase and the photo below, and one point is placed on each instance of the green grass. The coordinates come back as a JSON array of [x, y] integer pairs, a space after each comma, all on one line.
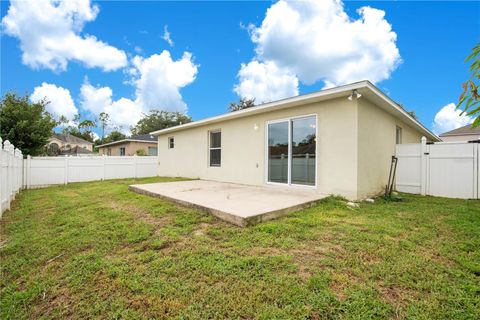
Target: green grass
[[96, 250]]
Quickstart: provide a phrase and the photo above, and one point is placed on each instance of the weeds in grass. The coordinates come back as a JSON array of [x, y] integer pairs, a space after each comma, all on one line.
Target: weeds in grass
[[96, 250]]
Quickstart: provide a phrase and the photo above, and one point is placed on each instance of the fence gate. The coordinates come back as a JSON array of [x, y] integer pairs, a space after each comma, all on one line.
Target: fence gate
[[445, 169]]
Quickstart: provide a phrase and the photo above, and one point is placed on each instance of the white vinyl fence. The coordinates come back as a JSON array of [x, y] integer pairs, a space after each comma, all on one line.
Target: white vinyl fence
[[34, 172], [11, 174], [446, 169], [45, 171]]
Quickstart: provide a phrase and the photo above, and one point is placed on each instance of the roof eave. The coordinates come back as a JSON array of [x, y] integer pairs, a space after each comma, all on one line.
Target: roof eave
[[305, 99], [124, 141]]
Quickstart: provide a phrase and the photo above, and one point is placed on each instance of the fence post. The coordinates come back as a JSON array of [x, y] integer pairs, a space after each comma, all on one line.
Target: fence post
[[65, 180], [29, 172], [6, 147], [103, 162], [423, 166], [135, 166], [15, 171]]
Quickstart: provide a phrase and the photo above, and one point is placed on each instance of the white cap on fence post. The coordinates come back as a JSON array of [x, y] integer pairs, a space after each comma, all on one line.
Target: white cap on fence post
[[6, 146]]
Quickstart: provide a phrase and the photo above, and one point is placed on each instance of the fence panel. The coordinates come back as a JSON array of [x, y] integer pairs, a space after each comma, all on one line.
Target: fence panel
[[451, 170], [45, 171], [17, 173], [11, 174], [408, 177], [82, 169], [446, 169]]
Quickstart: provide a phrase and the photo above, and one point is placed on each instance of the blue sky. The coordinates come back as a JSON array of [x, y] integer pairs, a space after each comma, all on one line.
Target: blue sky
[[124, 72]]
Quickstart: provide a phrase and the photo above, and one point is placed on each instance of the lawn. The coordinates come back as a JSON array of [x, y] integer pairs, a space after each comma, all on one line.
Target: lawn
[[96, 250]]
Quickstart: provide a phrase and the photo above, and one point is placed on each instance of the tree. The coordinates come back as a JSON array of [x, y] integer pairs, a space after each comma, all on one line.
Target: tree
[[78, 127], [158, 120], [243, 103], [469, 100], [103, 118], [413, 114], [115, 135], [27, 125], [140, 152]]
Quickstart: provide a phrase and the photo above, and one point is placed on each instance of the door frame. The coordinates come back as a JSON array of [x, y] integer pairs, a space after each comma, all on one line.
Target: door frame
[[289, 171]]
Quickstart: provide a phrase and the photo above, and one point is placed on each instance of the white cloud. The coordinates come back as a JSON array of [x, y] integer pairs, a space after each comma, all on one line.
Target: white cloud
[[265, 82], [157, 81], [95, 136], [448, 118], [123, 112], [61, 102], [50, 35], [318, 41], [166, 36]]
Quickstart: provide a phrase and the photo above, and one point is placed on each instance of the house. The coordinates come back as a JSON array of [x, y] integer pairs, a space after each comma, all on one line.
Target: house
[[66, 144], [142, 144], [335, 141], [466, 133]]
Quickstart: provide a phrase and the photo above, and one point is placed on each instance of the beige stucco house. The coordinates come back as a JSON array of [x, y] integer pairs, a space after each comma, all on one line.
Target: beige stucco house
[[335, 141], [67, 144], [130, 146], [465, 133]]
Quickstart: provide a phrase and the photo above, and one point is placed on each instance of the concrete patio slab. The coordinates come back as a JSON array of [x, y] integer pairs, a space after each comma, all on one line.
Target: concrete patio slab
[[239, 204]]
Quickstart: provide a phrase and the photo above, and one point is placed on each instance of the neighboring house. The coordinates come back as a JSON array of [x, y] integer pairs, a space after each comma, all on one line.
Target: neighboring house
[[66, 144], [466, 133], [335, 141], [130, 146]]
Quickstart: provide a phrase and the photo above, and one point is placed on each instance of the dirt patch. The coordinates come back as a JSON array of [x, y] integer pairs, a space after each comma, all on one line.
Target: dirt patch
[[201, 230], [58, 301]]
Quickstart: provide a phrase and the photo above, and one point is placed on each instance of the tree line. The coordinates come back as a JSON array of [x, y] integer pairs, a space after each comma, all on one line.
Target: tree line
[[29, 126]]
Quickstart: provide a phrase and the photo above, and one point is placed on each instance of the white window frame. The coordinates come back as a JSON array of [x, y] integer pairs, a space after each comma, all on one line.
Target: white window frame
[[289, 178], [172, 139], [398, 139], [215, 148], [124, 151]]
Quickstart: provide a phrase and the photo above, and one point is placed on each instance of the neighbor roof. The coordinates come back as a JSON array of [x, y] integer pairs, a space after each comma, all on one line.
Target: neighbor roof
[[77, 150], [366, 88], [466, 130], [68, 138], [144, 138]]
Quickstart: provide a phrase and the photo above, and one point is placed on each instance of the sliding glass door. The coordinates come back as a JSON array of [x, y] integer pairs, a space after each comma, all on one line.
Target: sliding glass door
[[292, 151], [278, 152]]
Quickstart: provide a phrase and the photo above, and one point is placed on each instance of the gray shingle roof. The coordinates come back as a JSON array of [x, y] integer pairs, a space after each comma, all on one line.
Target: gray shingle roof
[[145, 137], [466, 130], [68, 138]]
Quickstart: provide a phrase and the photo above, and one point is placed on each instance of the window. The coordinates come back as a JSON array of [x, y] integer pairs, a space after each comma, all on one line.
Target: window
[[171, 142], [152, 151], [109, 152], [398, 136], [215, 148], [122, 151]]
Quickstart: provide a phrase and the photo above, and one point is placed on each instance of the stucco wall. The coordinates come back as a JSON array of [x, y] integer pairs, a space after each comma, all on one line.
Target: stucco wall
[[355, 142], [130, 148], [243, 148], [376, 145], [62, 144]]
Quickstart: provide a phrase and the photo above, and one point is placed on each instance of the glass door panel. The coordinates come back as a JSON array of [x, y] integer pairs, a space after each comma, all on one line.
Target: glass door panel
[[303, 143], [278, 159]]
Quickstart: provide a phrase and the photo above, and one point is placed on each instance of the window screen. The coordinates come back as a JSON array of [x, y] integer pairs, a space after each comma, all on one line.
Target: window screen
[[215, 148]]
